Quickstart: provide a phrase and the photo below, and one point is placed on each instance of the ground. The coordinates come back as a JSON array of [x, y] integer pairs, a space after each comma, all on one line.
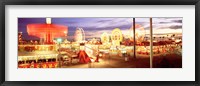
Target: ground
[[168, 61]]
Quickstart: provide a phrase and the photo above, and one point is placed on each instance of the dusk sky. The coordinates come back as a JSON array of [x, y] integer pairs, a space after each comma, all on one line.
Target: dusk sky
[[96, 26]]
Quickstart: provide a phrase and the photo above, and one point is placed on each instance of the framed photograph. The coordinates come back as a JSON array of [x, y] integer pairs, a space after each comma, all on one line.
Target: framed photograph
[[109, 42]]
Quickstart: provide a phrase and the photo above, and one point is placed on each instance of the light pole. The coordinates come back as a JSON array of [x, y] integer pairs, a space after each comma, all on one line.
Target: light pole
[[124, 54], [151, 44], [134, 52], [59, 40], [65, 32]]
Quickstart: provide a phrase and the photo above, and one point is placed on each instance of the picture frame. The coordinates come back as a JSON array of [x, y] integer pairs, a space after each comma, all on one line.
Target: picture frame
[[99, 2]]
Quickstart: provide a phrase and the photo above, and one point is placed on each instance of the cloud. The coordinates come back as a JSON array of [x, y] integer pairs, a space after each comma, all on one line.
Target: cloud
[[175, 27], [91, 34], [94, 27], [113, 22], [168, 26], [166, 20], [103, 21], [177, 21]]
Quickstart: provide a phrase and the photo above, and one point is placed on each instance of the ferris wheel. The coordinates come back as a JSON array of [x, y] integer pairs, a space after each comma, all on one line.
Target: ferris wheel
[[79, 35], [140, 33]]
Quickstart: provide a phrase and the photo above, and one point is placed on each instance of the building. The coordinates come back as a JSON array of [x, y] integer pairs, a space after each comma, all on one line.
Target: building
[[20, 37]]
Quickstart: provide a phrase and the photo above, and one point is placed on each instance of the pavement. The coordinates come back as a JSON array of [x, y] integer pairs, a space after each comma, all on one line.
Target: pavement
[[168, 61]]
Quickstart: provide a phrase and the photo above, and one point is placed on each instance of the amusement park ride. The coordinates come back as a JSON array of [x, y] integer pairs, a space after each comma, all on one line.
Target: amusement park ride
[[79, 35], [47, 31]]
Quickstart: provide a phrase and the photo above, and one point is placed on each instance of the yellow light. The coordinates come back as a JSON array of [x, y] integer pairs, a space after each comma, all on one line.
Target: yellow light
[[116, 32], [92, 60], [105, 37], [100, 55]]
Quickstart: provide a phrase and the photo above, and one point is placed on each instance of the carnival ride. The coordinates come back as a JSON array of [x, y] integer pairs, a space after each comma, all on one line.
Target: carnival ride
[[140, 33], [79, 35], [47, 31]]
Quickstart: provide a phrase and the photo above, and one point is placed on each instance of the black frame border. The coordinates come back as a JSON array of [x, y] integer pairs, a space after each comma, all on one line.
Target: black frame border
[[3, 3]]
